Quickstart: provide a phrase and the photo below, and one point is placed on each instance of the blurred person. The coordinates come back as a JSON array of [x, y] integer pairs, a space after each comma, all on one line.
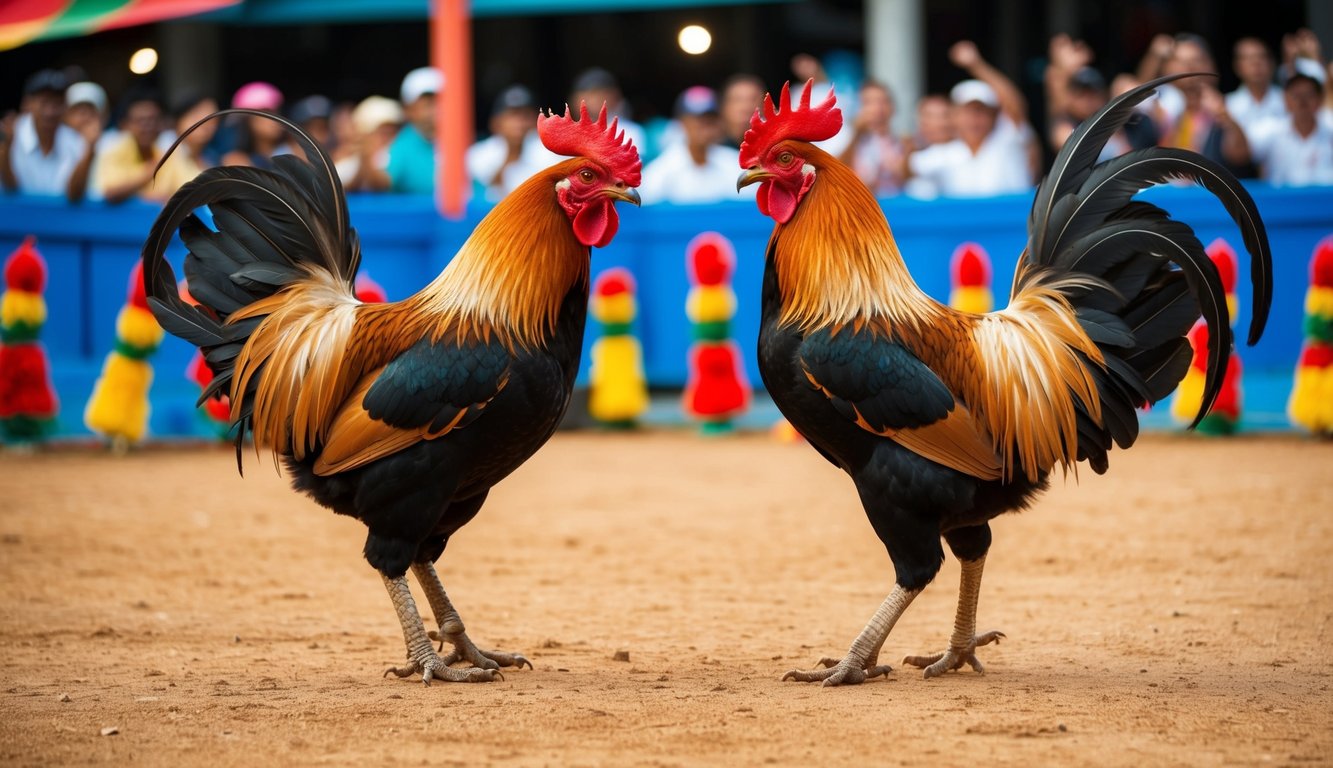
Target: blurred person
[[363, 143], [807, 68], [1302, 54], [129, 168], [1075, 91], [87, 111], [698, 169], [994, 152], [1203, 123], [1258, 98], [934, 121], [39, 154], [188, 108], [741, 96], [1296, 150], [412, 160], [258, 139], [513, 152], [598, 86], [878, 157], [312, 113]]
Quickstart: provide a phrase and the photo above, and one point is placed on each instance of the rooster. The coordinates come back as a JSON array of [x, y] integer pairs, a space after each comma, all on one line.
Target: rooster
[[402, 415], [946, 419]]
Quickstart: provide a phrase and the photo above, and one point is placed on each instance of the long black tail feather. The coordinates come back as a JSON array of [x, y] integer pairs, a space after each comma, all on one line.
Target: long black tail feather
[[271, 228], [1153, 277]]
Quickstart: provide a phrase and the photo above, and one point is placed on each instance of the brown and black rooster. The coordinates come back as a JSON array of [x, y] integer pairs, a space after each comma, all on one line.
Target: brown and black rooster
[[404, 414], [947, 419]]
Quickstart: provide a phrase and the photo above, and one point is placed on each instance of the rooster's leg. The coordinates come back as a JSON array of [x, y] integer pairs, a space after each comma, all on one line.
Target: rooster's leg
[[963, 644], [421, 656], [861, 662], [451, 627]]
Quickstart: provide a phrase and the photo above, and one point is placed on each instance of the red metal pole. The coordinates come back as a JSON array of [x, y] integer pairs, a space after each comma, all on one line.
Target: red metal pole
[[451, 53]]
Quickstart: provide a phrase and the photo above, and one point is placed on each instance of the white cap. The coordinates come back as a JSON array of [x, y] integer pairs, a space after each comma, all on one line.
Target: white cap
[[420, 82], [974, 90], [1303, 66], [374, 111], [86, 93]]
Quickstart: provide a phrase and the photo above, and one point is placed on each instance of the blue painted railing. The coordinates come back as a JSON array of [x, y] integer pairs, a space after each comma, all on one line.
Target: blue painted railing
[[91, 248]]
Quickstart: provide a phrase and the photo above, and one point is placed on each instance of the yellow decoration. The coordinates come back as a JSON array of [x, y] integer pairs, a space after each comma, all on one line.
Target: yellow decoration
[[1189, 396], [976, 299], [119, 404], [137, 327], [1311, 404], [710, 303], [1319, 302], [22, 307], [616, 308], [617, 390]]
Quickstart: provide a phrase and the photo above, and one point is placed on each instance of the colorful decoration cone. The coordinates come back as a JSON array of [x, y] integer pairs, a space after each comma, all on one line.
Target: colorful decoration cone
[[118, 409], [617, 390], [369, 291], [1224, 417], [717, 390], [970, 280], [27, 400], [1311, 404]]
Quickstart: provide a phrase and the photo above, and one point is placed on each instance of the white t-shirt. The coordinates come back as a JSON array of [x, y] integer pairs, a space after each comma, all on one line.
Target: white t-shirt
[[484, 159], [1291, 160], [675, 178], [999, 167], [40, 174], [1250, 113]]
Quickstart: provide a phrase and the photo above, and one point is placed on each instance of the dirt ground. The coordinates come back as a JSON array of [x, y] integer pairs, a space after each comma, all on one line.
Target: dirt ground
[[1174, 612]]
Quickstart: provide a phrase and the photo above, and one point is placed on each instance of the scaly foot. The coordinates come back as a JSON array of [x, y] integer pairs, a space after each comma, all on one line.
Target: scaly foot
[[954, 658], [431, 667], [464, 650], [847, 671]]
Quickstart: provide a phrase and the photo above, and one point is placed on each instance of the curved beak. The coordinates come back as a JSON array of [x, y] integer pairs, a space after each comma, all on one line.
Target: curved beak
[[750, 176], [626, 194]]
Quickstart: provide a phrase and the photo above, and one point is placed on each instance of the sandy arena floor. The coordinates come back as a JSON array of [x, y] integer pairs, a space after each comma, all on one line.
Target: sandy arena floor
[[1175, 612]]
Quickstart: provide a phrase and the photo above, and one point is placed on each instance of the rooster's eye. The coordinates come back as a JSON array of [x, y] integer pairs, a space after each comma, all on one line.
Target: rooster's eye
[[785, 158], [586, 175]]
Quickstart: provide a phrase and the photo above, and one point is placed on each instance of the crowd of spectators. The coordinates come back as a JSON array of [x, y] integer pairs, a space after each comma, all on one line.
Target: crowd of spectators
[[976, 140]]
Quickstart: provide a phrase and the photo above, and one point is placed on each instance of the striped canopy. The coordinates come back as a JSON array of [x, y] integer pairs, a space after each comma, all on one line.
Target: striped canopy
[[28, 20]]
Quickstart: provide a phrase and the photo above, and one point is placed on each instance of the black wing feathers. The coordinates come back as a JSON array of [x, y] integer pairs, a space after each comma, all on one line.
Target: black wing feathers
[[428, 385], [882, 382]]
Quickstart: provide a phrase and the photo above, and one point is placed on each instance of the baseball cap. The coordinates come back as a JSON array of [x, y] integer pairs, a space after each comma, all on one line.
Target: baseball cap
[[1087, 79], [311, 108], [969, 91], [696, 100], [419, 82], [513, 97], [258, 95], [595, 79], [86, 93], [46, 80], [374, 111]]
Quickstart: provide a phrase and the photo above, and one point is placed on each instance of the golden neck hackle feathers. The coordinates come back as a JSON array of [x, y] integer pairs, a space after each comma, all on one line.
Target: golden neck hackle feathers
[[1019, 371], [511, 276], [837, 263]]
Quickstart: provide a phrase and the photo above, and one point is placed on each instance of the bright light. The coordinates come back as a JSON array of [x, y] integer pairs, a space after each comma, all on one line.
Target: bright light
[[143, 61], [695, 40]]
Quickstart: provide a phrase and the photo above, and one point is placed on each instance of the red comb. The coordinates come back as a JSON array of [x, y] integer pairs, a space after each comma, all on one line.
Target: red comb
[[804, 123], [593, 139]]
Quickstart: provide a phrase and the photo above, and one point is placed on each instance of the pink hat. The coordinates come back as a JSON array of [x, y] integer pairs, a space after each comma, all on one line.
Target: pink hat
[[257, 95]]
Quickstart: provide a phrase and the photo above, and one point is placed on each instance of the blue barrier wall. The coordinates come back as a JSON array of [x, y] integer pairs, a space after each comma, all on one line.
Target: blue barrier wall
[[91, 248]]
